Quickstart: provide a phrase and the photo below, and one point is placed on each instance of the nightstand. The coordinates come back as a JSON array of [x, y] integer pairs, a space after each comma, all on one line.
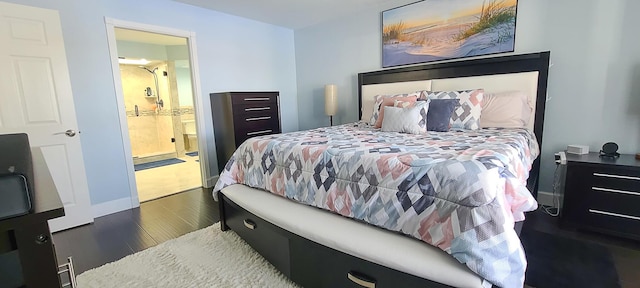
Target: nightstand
[[602, 194]]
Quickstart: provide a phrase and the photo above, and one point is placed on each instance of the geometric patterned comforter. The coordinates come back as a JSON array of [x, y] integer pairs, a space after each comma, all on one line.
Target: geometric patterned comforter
[[460, 190]]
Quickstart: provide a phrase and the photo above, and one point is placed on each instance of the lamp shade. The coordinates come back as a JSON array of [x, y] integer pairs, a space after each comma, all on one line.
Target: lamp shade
[[330, 99]]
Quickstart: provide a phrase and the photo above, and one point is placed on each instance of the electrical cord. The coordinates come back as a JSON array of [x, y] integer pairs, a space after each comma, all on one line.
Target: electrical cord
[[554, 210]]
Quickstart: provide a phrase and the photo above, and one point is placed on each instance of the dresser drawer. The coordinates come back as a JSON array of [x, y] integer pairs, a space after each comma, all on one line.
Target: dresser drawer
[[255, 110], [244, 134], [256, 123], [619, 180], [260, 235], [254, 98], [614, 201], [611, 222]]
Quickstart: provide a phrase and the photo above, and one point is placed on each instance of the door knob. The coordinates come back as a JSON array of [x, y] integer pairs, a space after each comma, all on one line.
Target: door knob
[[69, 133]]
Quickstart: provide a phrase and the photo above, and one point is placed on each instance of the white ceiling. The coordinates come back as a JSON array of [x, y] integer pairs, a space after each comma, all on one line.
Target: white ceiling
[[294, 14]]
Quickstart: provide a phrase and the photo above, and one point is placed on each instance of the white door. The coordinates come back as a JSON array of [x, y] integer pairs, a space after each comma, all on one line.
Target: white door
[[35, 98]]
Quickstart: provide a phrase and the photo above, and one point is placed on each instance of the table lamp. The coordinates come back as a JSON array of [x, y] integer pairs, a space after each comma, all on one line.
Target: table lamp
[[330, 101]]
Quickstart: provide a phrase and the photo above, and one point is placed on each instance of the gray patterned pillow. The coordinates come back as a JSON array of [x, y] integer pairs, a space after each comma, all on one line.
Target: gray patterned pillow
[[467, 115], [406, 120]]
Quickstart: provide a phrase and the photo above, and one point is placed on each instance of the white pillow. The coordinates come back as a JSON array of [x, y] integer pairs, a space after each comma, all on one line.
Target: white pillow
[[406, 120], [509, 109]]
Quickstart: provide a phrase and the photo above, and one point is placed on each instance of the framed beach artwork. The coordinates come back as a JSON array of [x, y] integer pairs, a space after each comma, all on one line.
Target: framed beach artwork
[[434, 30]]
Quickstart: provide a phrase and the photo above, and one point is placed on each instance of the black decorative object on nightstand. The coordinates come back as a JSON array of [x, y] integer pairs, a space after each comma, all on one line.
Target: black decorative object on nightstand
[[609, 149], [238, 116], [603, 194]]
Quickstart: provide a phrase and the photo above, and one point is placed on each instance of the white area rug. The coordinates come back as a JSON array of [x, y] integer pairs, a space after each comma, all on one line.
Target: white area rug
[[204, 258]]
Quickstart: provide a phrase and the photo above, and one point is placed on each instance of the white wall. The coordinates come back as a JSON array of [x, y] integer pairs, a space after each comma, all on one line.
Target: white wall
[[234, 54], [594, 83]]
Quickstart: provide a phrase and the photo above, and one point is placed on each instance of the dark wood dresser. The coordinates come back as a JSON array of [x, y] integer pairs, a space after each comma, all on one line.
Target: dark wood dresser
[[27, 255], [238, 116], [603, 194]]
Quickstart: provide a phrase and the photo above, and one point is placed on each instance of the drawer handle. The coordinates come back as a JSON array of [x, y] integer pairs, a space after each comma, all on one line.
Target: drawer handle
[[259, 132], [360, 280], [616, 176], [249, 224], [615, 191], [256, 99], [614, 214], [257, 109], [258, 118]]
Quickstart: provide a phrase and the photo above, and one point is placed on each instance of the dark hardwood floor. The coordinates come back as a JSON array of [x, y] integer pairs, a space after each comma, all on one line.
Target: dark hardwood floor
[[117, 235], [625, 252]]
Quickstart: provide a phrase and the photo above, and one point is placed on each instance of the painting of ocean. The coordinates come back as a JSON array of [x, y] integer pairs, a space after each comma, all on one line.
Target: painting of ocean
[[434, 30]]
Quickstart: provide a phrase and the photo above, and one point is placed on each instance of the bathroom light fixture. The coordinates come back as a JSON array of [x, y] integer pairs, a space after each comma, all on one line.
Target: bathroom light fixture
[[142, 61], [330, 101]]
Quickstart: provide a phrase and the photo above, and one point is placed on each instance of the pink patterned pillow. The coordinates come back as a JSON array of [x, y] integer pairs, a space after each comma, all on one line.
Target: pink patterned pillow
[[403, 104], [377, 105], [389, 102]]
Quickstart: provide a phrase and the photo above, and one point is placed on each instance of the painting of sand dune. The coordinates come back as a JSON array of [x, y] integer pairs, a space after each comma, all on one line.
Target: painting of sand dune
[[434, 30]]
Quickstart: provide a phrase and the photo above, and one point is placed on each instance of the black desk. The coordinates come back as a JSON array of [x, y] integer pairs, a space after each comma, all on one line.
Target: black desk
[[28, 238]]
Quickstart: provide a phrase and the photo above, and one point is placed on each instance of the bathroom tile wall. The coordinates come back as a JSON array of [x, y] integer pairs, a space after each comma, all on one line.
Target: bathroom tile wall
[[165, 119], [151, 130], [176, 120]]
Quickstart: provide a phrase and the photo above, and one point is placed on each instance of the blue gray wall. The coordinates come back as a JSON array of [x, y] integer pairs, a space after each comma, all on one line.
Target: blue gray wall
[[594, 83], [234, 54], [593, 95]]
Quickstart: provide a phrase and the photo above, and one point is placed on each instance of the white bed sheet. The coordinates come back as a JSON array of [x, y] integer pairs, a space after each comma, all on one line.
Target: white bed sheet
[[358, 239]]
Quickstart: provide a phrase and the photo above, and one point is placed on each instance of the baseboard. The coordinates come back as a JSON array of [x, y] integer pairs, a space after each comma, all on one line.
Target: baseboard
[[211, 181], [546, 198], [111, 207]]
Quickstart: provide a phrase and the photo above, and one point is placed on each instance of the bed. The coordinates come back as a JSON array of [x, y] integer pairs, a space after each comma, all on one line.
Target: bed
[[460, 191]]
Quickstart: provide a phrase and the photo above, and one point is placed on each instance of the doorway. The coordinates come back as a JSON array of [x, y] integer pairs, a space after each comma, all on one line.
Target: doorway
[[156, 96]]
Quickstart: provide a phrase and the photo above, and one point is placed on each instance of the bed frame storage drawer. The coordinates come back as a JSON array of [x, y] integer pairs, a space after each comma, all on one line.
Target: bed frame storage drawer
[[260, 235], [308, 263], [317, 266]]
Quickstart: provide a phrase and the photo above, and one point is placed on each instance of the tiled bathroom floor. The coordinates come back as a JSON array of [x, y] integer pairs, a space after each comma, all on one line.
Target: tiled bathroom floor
[[170, 179]]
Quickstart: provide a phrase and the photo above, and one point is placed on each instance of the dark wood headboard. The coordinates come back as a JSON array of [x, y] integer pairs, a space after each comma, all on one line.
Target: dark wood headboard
[[478, 67]]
